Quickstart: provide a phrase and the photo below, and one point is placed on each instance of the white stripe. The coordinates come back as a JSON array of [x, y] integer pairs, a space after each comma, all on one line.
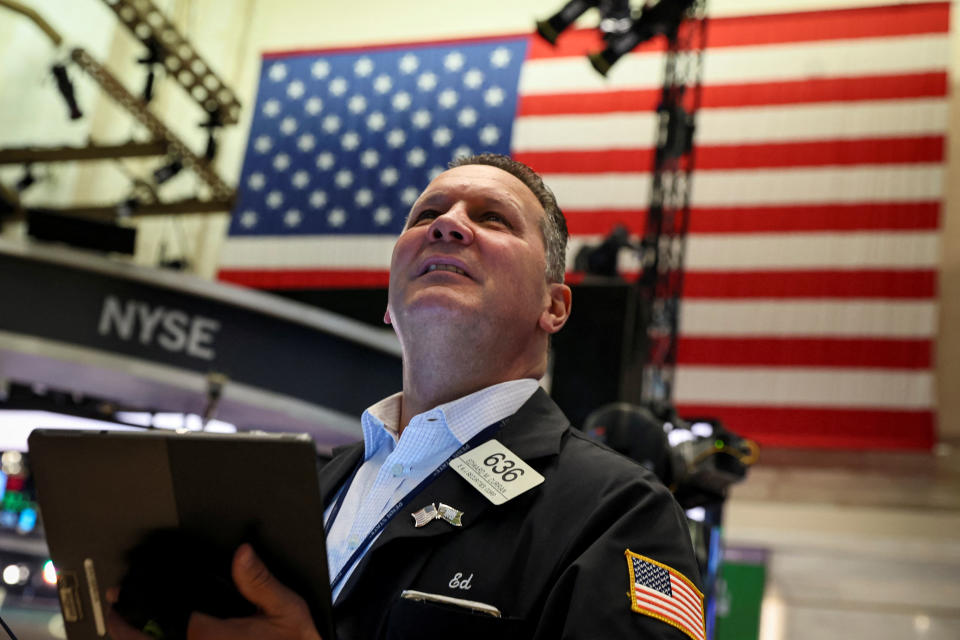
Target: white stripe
[[742, 125], [668, 609], [686, 596], [905, 249], [808, 387], [755, 63], [292, 252], [861, 184], [766, 318], [795, 250]]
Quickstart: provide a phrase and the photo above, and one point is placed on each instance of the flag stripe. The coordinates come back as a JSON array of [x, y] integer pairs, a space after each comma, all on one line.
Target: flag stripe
[[820, 283], [891, 119], [806, 352], [732, 219], [805, 387], [923, 149], [807, 26], [809, 318], [922, 53], [823, 427], [663, 605], [855, 89]]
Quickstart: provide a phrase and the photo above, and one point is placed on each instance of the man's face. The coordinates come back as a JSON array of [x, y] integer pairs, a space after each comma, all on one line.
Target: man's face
[[472, 248]]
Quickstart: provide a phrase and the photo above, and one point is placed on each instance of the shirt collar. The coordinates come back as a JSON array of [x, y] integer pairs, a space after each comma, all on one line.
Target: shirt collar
[[464, 417]]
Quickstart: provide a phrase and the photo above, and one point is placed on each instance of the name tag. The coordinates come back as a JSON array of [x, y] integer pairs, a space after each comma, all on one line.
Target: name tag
[[496, 472]]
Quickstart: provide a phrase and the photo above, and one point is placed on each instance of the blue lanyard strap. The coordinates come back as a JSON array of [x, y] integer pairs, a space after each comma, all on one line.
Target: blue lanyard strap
[[478, 439]]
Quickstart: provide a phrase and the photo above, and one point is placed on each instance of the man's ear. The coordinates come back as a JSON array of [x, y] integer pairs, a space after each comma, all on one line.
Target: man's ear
[[555, 315], [386, 317]]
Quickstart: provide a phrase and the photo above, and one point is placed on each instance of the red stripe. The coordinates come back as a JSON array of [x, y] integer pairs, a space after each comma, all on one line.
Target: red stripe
[[872, 151], [380, 46], [306, 278], [824, 428], [886, 87], [807, 26], [826, 283], [917, 216], [806, 352]]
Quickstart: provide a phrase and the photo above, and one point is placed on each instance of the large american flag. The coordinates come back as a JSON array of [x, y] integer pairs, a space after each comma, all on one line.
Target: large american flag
[[810, 307], [661, 592]]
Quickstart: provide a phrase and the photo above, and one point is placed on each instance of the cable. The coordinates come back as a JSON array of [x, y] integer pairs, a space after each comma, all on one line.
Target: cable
[[7, 629]]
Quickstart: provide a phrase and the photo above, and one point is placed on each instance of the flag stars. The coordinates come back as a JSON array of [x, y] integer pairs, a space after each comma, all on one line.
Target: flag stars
[[382, 83], [409, 195], [376, 121], [389, 176], [295, 90], [325, 161], [263, 144], [350, 140], [271, 108], [494, 96], [401, 101], [467, 117], [337, 217], [313, 105], [256, 181], [318, 199], [357, 104], [473, 79], [343, 178], [338, 86], [288, 125], [363, 67], [274, 199], [500, 57], [320, 69], [369, 158], [434, 172], [427, 81], [382, 216], [248, 219], [292, 218], [453, 61], [306, 142], [447, 99], [396, 138], [416, 157], [461, 151], [281, 162], [489, 134], [421, 118], [300, 179], [409, 63], [442, 136], [277, 71], [331, 124], [363, 197]]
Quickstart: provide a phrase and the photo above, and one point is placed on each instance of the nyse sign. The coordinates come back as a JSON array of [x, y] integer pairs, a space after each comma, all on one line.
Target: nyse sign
[[168, 328]]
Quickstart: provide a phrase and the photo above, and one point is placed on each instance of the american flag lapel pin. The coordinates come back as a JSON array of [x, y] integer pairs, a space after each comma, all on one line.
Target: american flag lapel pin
[[424, 516], [451, 514]]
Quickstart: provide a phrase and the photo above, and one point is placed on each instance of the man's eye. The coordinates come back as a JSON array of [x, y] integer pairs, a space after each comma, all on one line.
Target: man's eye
[[424, 216], [493, 216]]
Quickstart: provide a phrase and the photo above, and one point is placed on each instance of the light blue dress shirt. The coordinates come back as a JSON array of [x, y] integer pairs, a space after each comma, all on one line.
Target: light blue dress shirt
[[393, 466]]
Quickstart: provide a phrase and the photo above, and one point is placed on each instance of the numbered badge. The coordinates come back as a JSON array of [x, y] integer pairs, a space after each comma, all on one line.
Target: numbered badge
[[496, 472]]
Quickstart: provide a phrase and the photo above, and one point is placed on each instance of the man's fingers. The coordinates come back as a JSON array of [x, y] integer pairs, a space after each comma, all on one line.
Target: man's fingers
[[258, 585], [120, 630]]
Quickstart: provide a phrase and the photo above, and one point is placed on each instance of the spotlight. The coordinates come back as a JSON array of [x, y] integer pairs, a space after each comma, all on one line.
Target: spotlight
[[551, 28], [27, 180], [662, 18], [66, 90], [168, 171]]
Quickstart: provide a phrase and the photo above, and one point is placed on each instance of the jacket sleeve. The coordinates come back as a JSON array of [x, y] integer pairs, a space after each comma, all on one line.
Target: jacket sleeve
[[591, 597]]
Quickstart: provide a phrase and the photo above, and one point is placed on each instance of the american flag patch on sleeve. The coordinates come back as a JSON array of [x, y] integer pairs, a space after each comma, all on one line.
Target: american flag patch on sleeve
[[658, 591]]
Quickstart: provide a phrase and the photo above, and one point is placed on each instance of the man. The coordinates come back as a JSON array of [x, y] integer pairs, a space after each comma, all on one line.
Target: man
[[476, 291]]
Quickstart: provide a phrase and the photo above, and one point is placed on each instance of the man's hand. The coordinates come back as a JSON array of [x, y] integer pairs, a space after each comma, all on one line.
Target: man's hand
[[283, 615]]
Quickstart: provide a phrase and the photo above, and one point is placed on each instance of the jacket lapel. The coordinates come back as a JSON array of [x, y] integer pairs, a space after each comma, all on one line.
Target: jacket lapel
[[535, 431]]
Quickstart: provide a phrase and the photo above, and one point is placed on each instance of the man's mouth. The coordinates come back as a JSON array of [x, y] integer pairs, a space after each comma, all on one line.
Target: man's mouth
[[445, 267]]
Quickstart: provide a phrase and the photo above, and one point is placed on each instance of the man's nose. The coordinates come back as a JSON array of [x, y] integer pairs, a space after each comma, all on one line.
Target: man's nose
[[452, 226]]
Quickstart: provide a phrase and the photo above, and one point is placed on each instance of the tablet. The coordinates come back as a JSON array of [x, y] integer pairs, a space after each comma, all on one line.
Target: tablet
[[102, 494]]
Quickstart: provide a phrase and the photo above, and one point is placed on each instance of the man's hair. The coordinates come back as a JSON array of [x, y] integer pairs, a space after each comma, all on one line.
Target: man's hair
[[553, 226]]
